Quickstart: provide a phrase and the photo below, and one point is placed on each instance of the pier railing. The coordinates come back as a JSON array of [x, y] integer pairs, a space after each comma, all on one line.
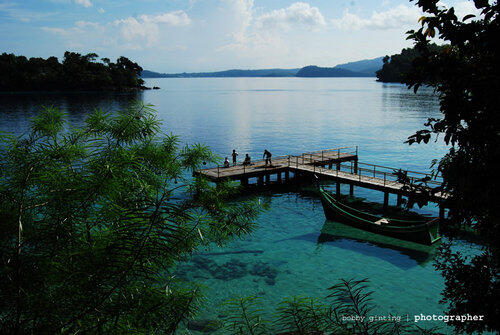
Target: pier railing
[[386, 175], [315, 156], [342, 162]]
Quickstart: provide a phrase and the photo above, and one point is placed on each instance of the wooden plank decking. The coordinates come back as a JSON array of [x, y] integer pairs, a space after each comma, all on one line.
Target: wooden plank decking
[[280, 164], [339, 164]]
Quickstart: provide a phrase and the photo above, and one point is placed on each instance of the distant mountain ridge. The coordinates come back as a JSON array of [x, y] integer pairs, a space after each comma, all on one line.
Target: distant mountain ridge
[[316, 71], [362, 68], [366, 66], [227, 73]]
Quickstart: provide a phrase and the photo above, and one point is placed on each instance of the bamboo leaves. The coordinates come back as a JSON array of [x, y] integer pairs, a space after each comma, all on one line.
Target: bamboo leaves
[[106, 211]]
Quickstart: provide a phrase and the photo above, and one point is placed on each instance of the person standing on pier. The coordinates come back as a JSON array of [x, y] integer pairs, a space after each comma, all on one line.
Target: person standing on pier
[[267, 155], [234, 154]]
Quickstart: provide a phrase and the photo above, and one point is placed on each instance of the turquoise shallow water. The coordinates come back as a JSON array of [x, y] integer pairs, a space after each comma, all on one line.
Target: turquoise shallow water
[[289, 116], [292, 261]]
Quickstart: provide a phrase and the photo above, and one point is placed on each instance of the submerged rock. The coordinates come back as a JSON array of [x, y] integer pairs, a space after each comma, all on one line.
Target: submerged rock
[[265, 270], [204, 263], [230, 270], [233, 269], [204, 325]]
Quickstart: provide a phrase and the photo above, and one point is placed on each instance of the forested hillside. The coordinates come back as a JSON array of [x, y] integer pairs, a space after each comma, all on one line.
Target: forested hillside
[[76, 72], [397, 66]]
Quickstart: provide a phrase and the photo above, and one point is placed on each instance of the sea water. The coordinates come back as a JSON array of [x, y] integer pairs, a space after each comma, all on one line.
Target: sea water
[[283, 257]]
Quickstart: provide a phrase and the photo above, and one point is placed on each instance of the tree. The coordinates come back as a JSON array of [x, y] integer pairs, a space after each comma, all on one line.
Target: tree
[[397, 66], [466, 75], [94, 219], [76, 72]]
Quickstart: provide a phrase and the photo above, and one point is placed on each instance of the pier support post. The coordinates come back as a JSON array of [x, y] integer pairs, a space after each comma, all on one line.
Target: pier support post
[[355, 166], [441, 212], [268, 178], [400, 200], [386, 200], [260, 180], [244, 181], [337, 189], [351, 190], [330, 166], [287, 175], [278, 175], [338, 166]]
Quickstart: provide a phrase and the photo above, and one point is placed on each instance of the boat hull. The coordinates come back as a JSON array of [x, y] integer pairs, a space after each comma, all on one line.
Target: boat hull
[[416, 233]]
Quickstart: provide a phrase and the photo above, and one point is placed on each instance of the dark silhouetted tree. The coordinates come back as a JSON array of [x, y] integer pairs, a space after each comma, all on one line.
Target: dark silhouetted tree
[[466, 75], [76, 73]]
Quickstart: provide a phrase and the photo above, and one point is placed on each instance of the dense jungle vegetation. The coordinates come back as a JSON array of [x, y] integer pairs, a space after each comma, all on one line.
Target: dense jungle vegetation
[[76, 72]]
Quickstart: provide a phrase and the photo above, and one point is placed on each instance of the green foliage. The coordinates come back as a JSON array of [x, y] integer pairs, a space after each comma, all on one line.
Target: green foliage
[[466, 75], [94, 219], [471, 278], [397, 66], [245, 316], [301, 315], [75, 72], [347, 311]]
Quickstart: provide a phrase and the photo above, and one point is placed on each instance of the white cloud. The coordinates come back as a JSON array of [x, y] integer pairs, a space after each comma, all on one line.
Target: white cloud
[[128, 33], [63, 32], [13, 11], [239, 12], [147, 27], [76, 32], [86, 24], [394, 18], [298, 13], [240, 16], [462, 8], [177, 18], [251, 44], [84, 3], [101, 10]]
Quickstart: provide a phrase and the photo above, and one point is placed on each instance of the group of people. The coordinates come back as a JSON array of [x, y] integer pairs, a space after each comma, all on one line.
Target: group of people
[[267, 155]]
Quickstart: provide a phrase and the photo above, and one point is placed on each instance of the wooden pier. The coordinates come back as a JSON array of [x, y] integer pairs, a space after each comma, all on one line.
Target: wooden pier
[[339, 164]]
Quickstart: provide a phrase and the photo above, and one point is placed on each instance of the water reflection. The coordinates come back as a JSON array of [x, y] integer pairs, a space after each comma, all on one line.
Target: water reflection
[[17, 109], [402, 254], [405, 255]]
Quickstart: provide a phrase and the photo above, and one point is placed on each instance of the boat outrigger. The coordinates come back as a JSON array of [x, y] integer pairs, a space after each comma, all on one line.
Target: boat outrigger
[[423, 232]]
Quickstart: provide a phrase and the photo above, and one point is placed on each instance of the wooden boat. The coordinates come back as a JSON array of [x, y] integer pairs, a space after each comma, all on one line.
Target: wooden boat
[[423, 232]]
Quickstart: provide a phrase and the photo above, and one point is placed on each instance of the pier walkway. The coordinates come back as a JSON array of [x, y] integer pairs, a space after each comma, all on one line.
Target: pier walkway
[[280, 164], [339, 164]]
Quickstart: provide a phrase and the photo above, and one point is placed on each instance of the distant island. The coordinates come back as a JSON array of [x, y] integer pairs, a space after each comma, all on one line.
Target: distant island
[[315, 71], [363, 68], [76, 72], [227, 73], [396, 67]]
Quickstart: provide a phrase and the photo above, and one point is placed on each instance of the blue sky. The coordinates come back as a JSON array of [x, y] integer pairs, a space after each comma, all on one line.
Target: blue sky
[[210, 35]]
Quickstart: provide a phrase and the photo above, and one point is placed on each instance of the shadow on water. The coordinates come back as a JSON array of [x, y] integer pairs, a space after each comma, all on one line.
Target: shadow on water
[[404, 255], [18, 108]]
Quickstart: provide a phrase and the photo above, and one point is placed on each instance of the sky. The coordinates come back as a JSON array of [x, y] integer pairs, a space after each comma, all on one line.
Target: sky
[[212, 35]]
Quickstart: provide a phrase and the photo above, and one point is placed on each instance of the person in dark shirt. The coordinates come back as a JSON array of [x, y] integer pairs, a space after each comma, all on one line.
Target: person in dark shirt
[[226, 163], [234, 154], [267, 155], [247, 160]]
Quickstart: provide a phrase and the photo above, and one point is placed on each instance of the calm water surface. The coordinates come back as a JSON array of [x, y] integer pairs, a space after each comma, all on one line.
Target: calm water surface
[[288, 254]]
